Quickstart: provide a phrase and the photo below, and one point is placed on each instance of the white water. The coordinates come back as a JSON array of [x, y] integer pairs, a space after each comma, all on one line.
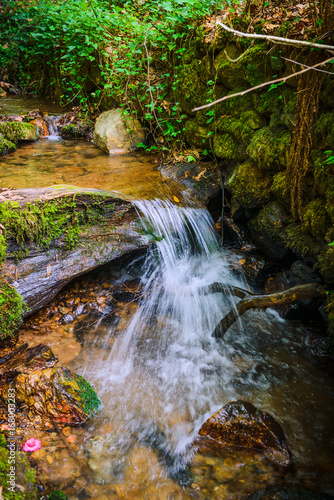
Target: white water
[[165, 372], [53, 128]]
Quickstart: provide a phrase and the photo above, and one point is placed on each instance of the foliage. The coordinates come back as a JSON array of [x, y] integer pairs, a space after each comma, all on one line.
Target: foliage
[[57, 495], [11, 310]]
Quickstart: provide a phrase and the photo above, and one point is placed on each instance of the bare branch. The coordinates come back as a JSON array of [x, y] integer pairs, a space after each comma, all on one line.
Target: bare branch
[[264, 301], [288, 41], [265, 84], [310, 67]]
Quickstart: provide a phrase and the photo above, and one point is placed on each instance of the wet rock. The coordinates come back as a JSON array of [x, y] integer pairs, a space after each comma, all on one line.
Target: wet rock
[[18, 131], [249, 185], [266, 230], [57, 393], [26, 360], [239, 424], [322, 350], [116, 133], [106, 457]]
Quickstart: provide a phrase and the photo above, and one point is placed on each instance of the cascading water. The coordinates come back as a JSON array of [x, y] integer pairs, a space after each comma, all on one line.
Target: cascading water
[[52, 127], [165, 371]]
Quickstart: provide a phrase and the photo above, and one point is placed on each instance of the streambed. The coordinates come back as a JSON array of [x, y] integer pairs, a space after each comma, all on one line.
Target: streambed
[[153, 362]]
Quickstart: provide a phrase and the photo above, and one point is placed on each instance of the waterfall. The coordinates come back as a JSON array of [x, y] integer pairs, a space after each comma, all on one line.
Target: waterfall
[[52, 127], [165, 371]]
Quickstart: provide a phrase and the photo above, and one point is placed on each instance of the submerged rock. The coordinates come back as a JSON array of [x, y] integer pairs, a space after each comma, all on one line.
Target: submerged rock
[[239, 424], [116, 133]]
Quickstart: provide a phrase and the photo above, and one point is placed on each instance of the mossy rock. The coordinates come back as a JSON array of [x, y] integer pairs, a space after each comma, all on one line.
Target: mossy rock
[[225, 146], [326, 264], [275, 101], [267, 230], [301, 243], [323, 174], [330, 313], [6, 146], [239, 104], [19, 131], [75, 131], [57, 393], [257, 65], [24, 475], [196, 134], [315, 219], [327, 91], [231, 74], [280, 189], [269, 149], [11, 310], [324, 132], [192, 86], [249, 185]]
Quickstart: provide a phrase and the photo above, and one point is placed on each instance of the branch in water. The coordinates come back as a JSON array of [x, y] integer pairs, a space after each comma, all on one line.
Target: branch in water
[[264, 301]]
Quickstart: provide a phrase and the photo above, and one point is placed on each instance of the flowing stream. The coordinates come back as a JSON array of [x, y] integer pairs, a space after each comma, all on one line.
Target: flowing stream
[[155, 365]]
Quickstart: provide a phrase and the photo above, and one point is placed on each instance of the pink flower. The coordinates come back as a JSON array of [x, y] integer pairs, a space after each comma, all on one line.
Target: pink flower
[[32, 445]]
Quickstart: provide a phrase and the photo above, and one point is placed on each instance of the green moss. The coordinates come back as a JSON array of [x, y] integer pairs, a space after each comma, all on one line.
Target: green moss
[[81, 390], [230, 73], [270, 150], [274, 101], [299, 242], [75, 130], [330, 313], [196, 134], [24, 476], [57, 495], [326, 264], [191, 88], [11, 310], [226, 147], [324, 132], [249, 185], [6, 146], [280, 189], [256, 64], [315, 219], [19, 131]]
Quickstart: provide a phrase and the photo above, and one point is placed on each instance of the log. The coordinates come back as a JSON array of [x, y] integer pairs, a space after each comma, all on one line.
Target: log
[[271, 300]]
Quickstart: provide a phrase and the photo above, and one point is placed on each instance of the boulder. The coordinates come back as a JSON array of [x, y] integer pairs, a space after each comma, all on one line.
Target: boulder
[[19, 131], [239, 424], [57, 393], [249, 185], [116, 133]]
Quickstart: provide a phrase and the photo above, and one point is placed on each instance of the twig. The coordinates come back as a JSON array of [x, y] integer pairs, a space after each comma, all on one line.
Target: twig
[[288, 41], [305, 66], [283, 79]]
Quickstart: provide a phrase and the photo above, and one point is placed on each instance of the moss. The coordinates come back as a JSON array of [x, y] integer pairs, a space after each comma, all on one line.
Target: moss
[[75, 130], [57, 495], [230, 73], [324, 132], [257, 65], [299, 242], [226, 147], [270, 150], [24, 476], [19, 131], [280, 189], [196, 134], [330, 313], [315, 219], [326, 264], [273, 101], [11, 310], [6, 146], [192, 88], [81, 390], [249, 185]]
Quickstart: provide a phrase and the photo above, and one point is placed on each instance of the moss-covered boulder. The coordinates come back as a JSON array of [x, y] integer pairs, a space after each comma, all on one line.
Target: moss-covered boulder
[[301, 243], [280, 189], [249, 185], [324, 132], [315, 218], [326, 264], [270, 149], [15, 470], [57, 393], [196, 134], [267, 230], [6, 146], [19, 131], [225, 146], [257, 64], [230, 71]]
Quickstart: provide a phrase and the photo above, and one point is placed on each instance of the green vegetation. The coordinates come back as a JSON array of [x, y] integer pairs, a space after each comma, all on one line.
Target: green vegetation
[[57, 495], [18, 131], [11, 309]]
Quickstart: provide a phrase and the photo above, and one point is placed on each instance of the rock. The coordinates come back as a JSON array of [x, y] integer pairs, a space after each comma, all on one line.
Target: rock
[[116, 133], [26, 360], [57, 393], [6, 146], [44, 270], [266, 230], [270, 149], [249, 185], [230, 74], [19, 131], [287, 493], [24, 474], [240, 424]]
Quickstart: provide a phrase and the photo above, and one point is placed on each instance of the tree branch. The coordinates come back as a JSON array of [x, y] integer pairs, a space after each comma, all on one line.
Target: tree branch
[[310, 67], [264, 301], [289, 41], [283, 79]]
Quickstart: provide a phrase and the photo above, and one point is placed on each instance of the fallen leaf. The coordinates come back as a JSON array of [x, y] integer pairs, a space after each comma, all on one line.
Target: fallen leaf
[[176, 199]]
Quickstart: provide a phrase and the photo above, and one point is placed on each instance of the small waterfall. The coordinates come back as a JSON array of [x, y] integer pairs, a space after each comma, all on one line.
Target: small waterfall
[[165, 371], [52, 127]]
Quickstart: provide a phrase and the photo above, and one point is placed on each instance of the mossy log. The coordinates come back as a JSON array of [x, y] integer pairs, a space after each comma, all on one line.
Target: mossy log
[[264, 301]]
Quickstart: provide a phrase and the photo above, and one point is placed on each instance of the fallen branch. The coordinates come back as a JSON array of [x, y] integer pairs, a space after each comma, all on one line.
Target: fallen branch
[[288, 41], [283, 79], [264, 301], [305, 66], [233, 290]]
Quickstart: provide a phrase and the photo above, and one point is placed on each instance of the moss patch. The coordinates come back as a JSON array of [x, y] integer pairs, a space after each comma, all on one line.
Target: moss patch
[[280, 189], [326, 264], [270, 150], [299, 242], [11, 310], [249, 185], [19, 131], [6, 146], [225, 146], [315, 219]]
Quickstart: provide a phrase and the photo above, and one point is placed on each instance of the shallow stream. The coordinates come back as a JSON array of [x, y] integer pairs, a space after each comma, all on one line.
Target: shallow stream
[[153, 361]]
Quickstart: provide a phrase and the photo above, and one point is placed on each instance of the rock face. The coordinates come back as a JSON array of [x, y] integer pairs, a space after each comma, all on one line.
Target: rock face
[[43, 270], [239, 424], [116, 133]]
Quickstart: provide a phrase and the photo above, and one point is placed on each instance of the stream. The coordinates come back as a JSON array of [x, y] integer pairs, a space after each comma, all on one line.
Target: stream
[[154, 363]]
